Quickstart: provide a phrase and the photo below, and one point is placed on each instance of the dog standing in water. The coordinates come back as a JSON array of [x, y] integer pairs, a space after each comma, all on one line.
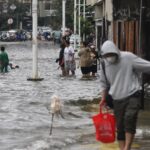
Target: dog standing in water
[[55, 109], [55, 105]]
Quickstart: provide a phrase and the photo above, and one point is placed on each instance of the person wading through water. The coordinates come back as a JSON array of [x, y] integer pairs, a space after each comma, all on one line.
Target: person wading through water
[[85, 60], [69, 59], [123, 70], [61, 59], [4, 60]]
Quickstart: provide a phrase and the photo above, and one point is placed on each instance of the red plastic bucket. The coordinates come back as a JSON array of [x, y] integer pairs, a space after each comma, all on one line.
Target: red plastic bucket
[[105, 126]]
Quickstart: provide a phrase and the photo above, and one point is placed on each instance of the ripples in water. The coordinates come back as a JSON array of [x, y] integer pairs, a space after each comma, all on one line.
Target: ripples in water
[[25, 119]]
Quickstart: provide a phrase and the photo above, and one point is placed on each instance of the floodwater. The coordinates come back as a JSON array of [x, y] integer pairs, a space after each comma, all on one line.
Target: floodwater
[[24, 106]]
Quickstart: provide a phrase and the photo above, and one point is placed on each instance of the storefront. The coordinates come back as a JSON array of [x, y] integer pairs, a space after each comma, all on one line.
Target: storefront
[[131, 23]]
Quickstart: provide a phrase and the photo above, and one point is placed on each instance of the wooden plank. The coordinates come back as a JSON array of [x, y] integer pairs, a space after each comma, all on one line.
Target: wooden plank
[[117, 43], [114, 32], [121, 36], [136, 37], [123, 47], [126, 35], [131, 36]]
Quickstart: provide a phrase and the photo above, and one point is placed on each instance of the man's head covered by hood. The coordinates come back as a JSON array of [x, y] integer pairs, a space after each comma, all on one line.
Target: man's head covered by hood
[[110, 51]]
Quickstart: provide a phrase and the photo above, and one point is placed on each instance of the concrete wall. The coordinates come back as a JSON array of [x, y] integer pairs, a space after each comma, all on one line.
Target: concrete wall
[[103, 9], [109, 10], [98, 11], [91, 2], [109, 17], [42, 11], [26, 1]]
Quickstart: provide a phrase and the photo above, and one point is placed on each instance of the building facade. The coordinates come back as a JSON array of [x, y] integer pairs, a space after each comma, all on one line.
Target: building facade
[[131, 23], [125, 22], [91, 2], [103, 20]]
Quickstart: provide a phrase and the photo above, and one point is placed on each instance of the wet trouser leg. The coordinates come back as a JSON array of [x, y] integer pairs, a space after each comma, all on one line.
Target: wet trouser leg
[[126, 112], [2, 68], [6, 68]]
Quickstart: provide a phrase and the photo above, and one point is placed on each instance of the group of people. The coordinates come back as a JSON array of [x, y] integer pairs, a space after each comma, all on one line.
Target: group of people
[[66, 59], [122, 73], [87, 59]]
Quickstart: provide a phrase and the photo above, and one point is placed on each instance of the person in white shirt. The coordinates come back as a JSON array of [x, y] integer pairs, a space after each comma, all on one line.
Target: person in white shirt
[[69, 59]]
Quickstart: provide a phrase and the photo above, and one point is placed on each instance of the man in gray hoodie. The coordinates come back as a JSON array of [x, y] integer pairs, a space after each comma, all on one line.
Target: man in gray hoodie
[[123, 70]]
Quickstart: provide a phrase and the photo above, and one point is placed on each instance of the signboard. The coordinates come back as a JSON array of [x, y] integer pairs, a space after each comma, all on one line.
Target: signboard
[[13, 7], [5, 5], [10, 21]]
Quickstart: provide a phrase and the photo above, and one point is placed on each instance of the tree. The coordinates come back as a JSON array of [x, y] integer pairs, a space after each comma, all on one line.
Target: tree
[[87, 25], [57, 15]]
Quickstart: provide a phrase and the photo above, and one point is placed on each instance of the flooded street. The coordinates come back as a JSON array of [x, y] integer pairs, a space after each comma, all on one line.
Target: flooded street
[[24, 106]]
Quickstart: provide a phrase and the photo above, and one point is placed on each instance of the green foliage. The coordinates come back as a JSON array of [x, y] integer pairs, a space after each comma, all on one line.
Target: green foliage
[[16, 14], [57, 19], [86, 25]]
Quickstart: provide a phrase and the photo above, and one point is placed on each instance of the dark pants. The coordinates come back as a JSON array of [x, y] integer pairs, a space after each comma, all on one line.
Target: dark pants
[[94, 68], [4, 68], [126, 113], [85, 70]]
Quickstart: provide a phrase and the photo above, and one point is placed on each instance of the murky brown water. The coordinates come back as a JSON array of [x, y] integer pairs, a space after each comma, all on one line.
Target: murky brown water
[[24, 114]]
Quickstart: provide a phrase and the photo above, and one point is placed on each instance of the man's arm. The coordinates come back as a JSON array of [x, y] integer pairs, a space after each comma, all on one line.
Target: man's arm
[[140, 64], [103, 101], [103, 86]]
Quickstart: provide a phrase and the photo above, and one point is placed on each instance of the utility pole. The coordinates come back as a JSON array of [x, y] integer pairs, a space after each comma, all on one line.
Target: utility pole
[[84, 4], [34, 40], [140, 52], [140, 27], [20, 18], [79, 9], [63, 16], [75, 22], [35, 76]]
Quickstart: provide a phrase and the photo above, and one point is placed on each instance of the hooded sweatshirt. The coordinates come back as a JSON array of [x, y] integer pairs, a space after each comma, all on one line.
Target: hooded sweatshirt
[[124, 75]]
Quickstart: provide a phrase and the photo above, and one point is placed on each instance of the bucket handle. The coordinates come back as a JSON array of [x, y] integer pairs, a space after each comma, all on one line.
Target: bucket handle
[[101, 109]]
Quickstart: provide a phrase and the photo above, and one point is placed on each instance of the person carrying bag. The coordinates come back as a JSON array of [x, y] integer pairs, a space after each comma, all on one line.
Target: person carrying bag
[[123, 70]]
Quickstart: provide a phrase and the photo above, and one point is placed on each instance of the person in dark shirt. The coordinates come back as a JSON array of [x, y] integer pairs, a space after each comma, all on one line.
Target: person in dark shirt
[[61, 59], [94, 57]]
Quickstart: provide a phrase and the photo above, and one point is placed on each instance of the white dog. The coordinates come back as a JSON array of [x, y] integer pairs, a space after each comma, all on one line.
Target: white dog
[[55, 105]]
